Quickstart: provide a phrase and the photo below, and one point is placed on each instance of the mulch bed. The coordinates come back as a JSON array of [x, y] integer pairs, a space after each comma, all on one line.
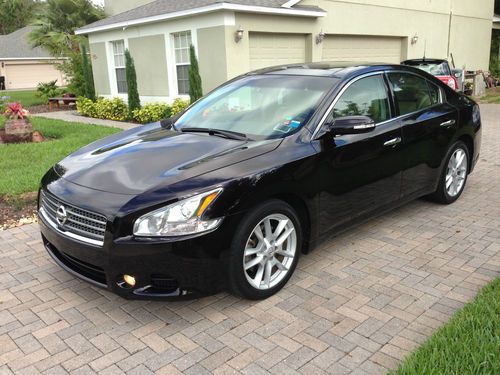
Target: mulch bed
[[45, 108], [18, 211]]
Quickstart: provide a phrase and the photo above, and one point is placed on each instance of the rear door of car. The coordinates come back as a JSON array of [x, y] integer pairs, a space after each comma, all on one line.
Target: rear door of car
[[428, 124]]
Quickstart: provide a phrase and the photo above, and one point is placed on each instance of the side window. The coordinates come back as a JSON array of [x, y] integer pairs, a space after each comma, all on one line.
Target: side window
[[435, 92], [412, 93], [365, 97]]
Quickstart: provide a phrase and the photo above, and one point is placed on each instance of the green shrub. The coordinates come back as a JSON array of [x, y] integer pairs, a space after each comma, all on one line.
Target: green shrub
[[178, 106], [134, 102], [151, 113], [112, 109], [116, 109], [108, 109], [87, 74], [46, 90], [195, 86], [86, 107], [3, 104]]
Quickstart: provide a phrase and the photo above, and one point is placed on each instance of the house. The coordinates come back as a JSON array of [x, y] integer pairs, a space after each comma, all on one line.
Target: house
[[236, 36], [496, 26], [23, 66]]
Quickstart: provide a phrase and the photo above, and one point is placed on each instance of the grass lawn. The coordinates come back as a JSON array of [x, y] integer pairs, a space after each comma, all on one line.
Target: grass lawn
[[23, 165], [492, 96], [468, 344], [27, 98]]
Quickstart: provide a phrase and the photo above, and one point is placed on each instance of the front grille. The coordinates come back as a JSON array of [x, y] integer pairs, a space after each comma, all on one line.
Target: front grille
[[81, 224], [164, 283]]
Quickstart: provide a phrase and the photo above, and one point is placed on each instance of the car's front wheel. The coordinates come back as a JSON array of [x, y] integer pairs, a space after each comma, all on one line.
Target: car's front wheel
[[265, 250], [454, 175]]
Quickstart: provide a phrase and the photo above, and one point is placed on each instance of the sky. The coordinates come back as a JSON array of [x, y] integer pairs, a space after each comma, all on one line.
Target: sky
[[98, 2]]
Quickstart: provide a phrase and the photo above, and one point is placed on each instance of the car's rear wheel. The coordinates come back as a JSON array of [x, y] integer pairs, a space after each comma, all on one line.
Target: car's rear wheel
[[454, 175], [265, 250]]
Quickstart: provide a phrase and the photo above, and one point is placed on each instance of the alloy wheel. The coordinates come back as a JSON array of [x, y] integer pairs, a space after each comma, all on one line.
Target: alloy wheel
[[456, 172], [270, 251]]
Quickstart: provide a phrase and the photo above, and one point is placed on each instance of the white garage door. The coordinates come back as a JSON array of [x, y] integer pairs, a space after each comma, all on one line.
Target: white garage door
[[362, 48], [268, 49], [27, 76]]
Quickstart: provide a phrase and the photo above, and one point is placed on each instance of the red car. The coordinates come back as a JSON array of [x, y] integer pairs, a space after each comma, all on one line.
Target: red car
[[438, 68]]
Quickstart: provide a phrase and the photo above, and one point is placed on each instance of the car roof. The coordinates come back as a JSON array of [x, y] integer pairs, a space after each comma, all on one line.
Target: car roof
[[329, 69]]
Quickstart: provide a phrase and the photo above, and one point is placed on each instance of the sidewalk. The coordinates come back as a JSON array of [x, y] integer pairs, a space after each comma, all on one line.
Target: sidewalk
[[73, 116]]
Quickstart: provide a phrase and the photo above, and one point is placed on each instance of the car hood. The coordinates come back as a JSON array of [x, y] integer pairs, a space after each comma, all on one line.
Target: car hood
[[138, 160]]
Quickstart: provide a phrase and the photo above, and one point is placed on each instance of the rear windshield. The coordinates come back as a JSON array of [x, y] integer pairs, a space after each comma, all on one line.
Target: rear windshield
[[434, 68]]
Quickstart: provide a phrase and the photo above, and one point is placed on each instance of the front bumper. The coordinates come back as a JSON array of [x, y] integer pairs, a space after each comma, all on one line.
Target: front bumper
[[162, 270]]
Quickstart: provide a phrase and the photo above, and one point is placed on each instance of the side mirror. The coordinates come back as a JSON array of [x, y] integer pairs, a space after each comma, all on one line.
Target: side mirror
[[167, 123], [352, 125]]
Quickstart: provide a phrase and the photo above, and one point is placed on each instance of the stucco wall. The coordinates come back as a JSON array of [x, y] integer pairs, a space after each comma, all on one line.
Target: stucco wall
[[469, 36], [149, 56], [113, 7], [100, 68], [212, 56], [238, 55]]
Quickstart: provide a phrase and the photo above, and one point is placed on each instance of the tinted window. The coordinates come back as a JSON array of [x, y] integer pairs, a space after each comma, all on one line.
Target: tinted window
[[435, 92], [412, 92], [365, 97]]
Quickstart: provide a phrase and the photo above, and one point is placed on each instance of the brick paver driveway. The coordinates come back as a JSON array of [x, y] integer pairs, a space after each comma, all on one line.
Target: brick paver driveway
[[359, 303]]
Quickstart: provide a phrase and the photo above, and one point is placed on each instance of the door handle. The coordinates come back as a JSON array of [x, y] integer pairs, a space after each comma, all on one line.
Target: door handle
[[393, 142], [447, 123]]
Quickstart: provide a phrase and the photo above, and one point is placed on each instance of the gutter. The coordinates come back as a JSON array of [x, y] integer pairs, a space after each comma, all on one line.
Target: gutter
[[210, 8]]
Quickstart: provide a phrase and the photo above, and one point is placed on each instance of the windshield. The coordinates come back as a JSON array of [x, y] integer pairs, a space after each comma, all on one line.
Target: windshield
[[261, 107], [436, 69]]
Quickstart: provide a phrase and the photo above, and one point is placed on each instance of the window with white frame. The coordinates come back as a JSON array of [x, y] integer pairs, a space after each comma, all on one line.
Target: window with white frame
[[182, 41], [119, 60]]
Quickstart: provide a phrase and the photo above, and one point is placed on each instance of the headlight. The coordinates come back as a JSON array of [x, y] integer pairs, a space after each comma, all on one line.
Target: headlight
[[179, 219]]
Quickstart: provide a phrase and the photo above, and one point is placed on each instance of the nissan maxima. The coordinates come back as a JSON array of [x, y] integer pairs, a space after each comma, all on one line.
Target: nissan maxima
[[229, 194]]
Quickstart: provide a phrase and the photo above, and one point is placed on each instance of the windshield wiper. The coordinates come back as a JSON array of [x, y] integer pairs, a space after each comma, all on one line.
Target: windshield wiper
[[225, 133]]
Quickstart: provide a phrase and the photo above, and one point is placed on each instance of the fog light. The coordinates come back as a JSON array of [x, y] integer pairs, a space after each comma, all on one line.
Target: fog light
[[129, 280]]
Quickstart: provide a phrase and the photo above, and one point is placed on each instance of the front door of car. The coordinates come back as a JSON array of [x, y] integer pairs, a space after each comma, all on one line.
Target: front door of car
[[428, 124], [359, 173]]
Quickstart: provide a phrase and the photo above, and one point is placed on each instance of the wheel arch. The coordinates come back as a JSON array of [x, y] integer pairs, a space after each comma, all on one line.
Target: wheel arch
[[300, 206], [469, 142]]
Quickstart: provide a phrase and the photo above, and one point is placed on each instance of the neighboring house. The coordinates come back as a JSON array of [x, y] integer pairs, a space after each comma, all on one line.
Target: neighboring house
[[23, 66], [233, 37]]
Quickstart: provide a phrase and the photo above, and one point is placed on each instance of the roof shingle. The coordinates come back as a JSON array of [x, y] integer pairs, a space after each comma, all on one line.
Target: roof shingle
[[16, 45], [160, 7]]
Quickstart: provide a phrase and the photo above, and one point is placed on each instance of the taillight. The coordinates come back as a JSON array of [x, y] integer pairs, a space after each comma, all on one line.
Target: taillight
[[451, 82]]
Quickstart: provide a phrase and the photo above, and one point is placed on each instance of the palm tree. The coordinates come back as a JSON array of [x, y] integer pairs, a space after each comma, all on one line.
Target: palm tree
[[57, 21]]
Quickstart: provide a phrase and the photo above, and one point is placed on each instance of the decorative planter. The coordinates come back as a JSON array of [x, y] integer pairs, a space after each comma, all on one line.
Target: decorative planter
[[21, 130]]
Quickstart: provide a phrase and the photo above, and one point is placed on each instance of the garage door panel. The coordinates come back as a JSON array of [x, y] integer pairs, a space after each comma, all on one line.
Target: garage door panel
[[362, 48], [268, 49], [27, 76]]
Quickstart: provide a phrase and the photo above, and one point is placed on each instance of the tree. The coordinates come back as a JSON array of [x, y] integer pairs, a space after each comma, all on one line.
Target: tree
[[16, 14], [134, 102], [195, 86], [87, 75], [57, 21]]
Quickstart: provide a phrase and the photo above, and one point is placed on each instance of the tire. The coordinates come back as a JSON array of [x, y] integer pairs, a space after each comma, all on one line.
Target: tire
[[446, 194], [248, 250]]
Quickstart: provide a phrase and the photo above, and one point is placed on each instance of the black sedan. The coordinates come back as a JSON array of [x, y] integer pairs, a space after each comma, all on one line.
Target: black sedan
[[230, 193]]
